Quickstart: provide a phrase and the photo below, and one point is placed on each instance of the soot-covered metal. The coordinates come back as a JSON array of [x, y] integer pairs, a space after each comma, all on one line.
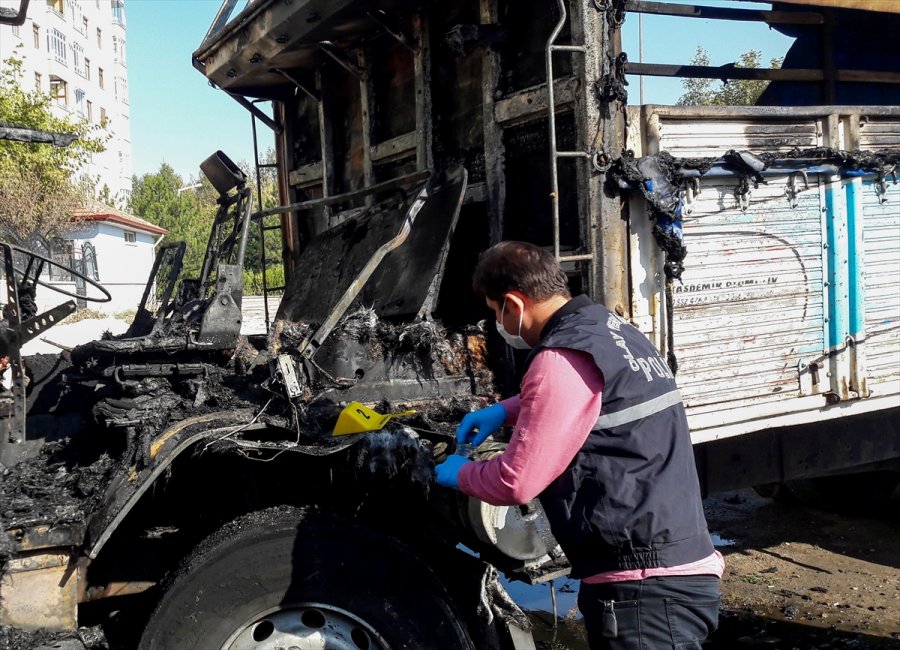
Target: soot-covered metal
[[121, 405]]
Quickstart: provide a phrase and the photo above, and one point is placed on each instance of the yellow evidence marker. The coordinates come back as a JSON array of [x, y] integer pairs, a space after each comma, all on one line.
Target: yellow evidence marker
[[358, 418]]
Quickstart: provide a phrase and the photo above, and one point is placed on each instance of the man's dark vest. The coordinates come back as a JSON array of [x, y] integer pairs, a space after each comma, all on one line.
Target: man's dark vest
[[630, 499]]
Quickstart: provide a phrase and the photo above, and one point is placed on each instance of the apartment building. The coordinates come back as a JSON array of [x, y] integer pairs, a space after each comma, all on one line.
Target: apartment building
[[75, 50]]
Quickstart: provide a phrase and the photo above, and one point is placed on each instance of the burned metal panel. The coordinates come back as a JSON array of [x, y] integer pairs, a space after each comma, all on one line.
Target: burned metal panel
[[881, 282], [393, 86], [457, 93], [526, 25], [347, 122], [306, 146], [402, 285], [527, 213], [751, 304]]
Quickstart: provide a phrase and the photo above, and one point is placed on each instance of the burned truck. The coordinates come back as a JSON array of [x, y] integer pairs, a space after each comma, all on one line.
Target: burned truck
[[186, 482]]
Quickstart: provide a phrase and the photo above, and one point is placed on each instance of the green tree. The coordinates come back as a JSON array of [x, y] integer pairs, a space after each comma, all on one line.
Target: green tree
[[188, 215], [37, 192], [734, 92]]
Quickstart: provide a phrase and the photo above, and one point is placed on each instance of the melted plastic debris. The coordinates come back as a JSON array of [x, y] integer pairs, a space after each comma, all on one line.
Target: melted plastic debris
[[361, 324], [662, 179], [495, 601], [55, 487], [396, 452], [92, 638]]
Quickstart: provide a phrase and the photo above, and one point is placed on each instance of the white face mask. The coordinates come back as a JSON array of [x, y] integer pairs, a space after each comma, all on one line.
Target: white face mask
[[514, 341]]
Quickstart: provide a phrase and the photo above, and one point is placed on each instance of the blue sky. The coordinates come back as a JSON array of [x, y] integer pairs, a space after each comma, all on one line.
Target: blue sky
[[177, 118]]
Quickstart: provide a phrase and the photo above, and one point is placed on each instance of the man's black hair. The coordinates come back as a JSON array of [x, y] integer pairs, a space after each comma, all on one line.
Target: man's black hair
[[519, 266]]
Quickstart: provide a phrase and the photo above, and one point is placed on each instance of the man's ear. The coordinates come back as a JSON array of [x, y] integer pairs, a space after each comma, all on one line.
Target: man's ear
[[518, 299]]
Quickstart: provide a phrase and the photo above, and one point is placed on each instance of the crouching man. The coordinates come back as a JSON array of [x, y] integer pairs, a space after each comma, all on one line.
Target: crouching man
[[601, 437]]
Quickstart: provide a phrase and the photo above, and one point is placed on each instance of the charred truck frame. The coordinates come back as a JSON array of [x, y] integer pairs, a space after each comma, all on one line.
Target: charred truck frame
[[195, 470]]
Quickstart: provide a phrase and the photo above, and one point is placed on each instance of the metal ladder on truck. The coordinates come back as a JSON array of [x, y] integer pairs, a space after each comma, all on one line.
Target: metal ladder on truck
[[556, 154], [261, 220]]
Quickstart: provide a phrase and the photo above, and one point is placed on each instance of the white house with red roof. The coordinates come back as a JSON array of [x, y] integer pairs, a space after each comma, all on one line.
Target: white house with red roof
[[110, 246]]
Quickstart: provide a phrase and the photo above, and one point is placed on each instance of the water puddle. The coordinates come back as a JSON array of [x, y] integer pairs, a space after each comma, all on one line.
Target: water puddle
[[721, 542], [537, 598]]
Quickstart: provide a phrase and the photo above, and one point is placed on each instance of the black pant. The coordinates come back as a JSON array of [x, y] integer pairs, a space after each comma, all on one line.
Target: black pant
[[651, 614]]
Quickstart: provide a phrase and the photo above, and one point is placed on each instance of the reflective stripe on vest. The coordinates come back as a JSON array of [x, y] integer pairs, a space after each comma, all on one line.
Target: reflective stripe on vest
[[638, 411]]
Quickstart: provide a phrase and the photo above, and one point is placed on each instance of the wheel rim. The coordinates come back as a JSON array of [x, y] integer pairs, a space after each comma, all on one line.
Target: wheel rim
[[309, 626]]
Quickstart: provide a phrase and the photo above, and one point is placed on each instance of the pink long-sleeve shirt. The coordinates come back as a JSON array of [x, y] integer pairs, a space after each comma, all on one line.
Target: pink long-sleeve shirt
[[558, 406]]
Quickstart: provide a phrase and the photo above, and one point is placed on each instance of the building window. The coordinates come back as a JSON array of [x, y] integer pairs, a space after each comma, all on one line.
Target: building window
[[84, 26], [87, 68], [62, 251], [89, 110], [56, 45], [79, 101], [100, 77], [103, 119], [59, 90], [121, 89], [99, 37], [15, 31], [78, 59], [130, 237], [36, 32], [118, 12], [37, 82], [57, 6], [118, 49]]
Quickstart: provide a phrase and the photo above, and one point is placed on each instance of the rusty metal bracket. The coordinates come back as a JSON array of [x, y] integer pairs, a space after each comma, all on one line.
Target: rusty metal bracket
[[42, 322], [380, 18], [341, 59], [300, 85], [262, 117]]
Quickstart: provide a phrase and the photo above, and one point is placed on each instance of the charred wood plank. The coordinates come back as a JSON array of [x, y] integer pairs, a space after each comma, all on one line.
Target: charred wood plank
[[533, 101], [396, 148]]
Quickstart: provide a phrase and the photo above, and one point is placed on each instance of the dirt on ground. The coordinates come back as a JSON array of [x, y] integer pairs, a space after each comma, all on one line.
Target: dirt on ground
[[796, 578]]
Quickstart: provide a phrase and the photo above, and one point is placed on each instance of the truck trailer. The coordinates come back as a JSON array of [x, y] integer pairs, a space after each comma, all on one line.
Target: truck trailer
[[188, 478]]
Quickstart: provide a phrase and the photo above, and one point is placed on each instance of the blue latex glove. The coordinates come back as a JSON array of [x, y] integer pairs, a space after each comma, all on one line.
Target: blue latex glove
[[478, 425], [447, 473]]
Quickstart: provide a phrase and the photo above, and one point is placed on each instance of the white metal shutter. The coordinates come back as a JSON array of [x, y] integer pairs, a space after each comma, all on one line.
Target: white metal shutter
[[881, 264], [751, 303]]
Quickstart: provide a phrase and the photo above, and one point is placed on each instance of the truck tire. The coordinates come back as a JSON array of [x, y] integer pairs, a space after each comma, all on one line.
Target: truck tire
[[285, 577]]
